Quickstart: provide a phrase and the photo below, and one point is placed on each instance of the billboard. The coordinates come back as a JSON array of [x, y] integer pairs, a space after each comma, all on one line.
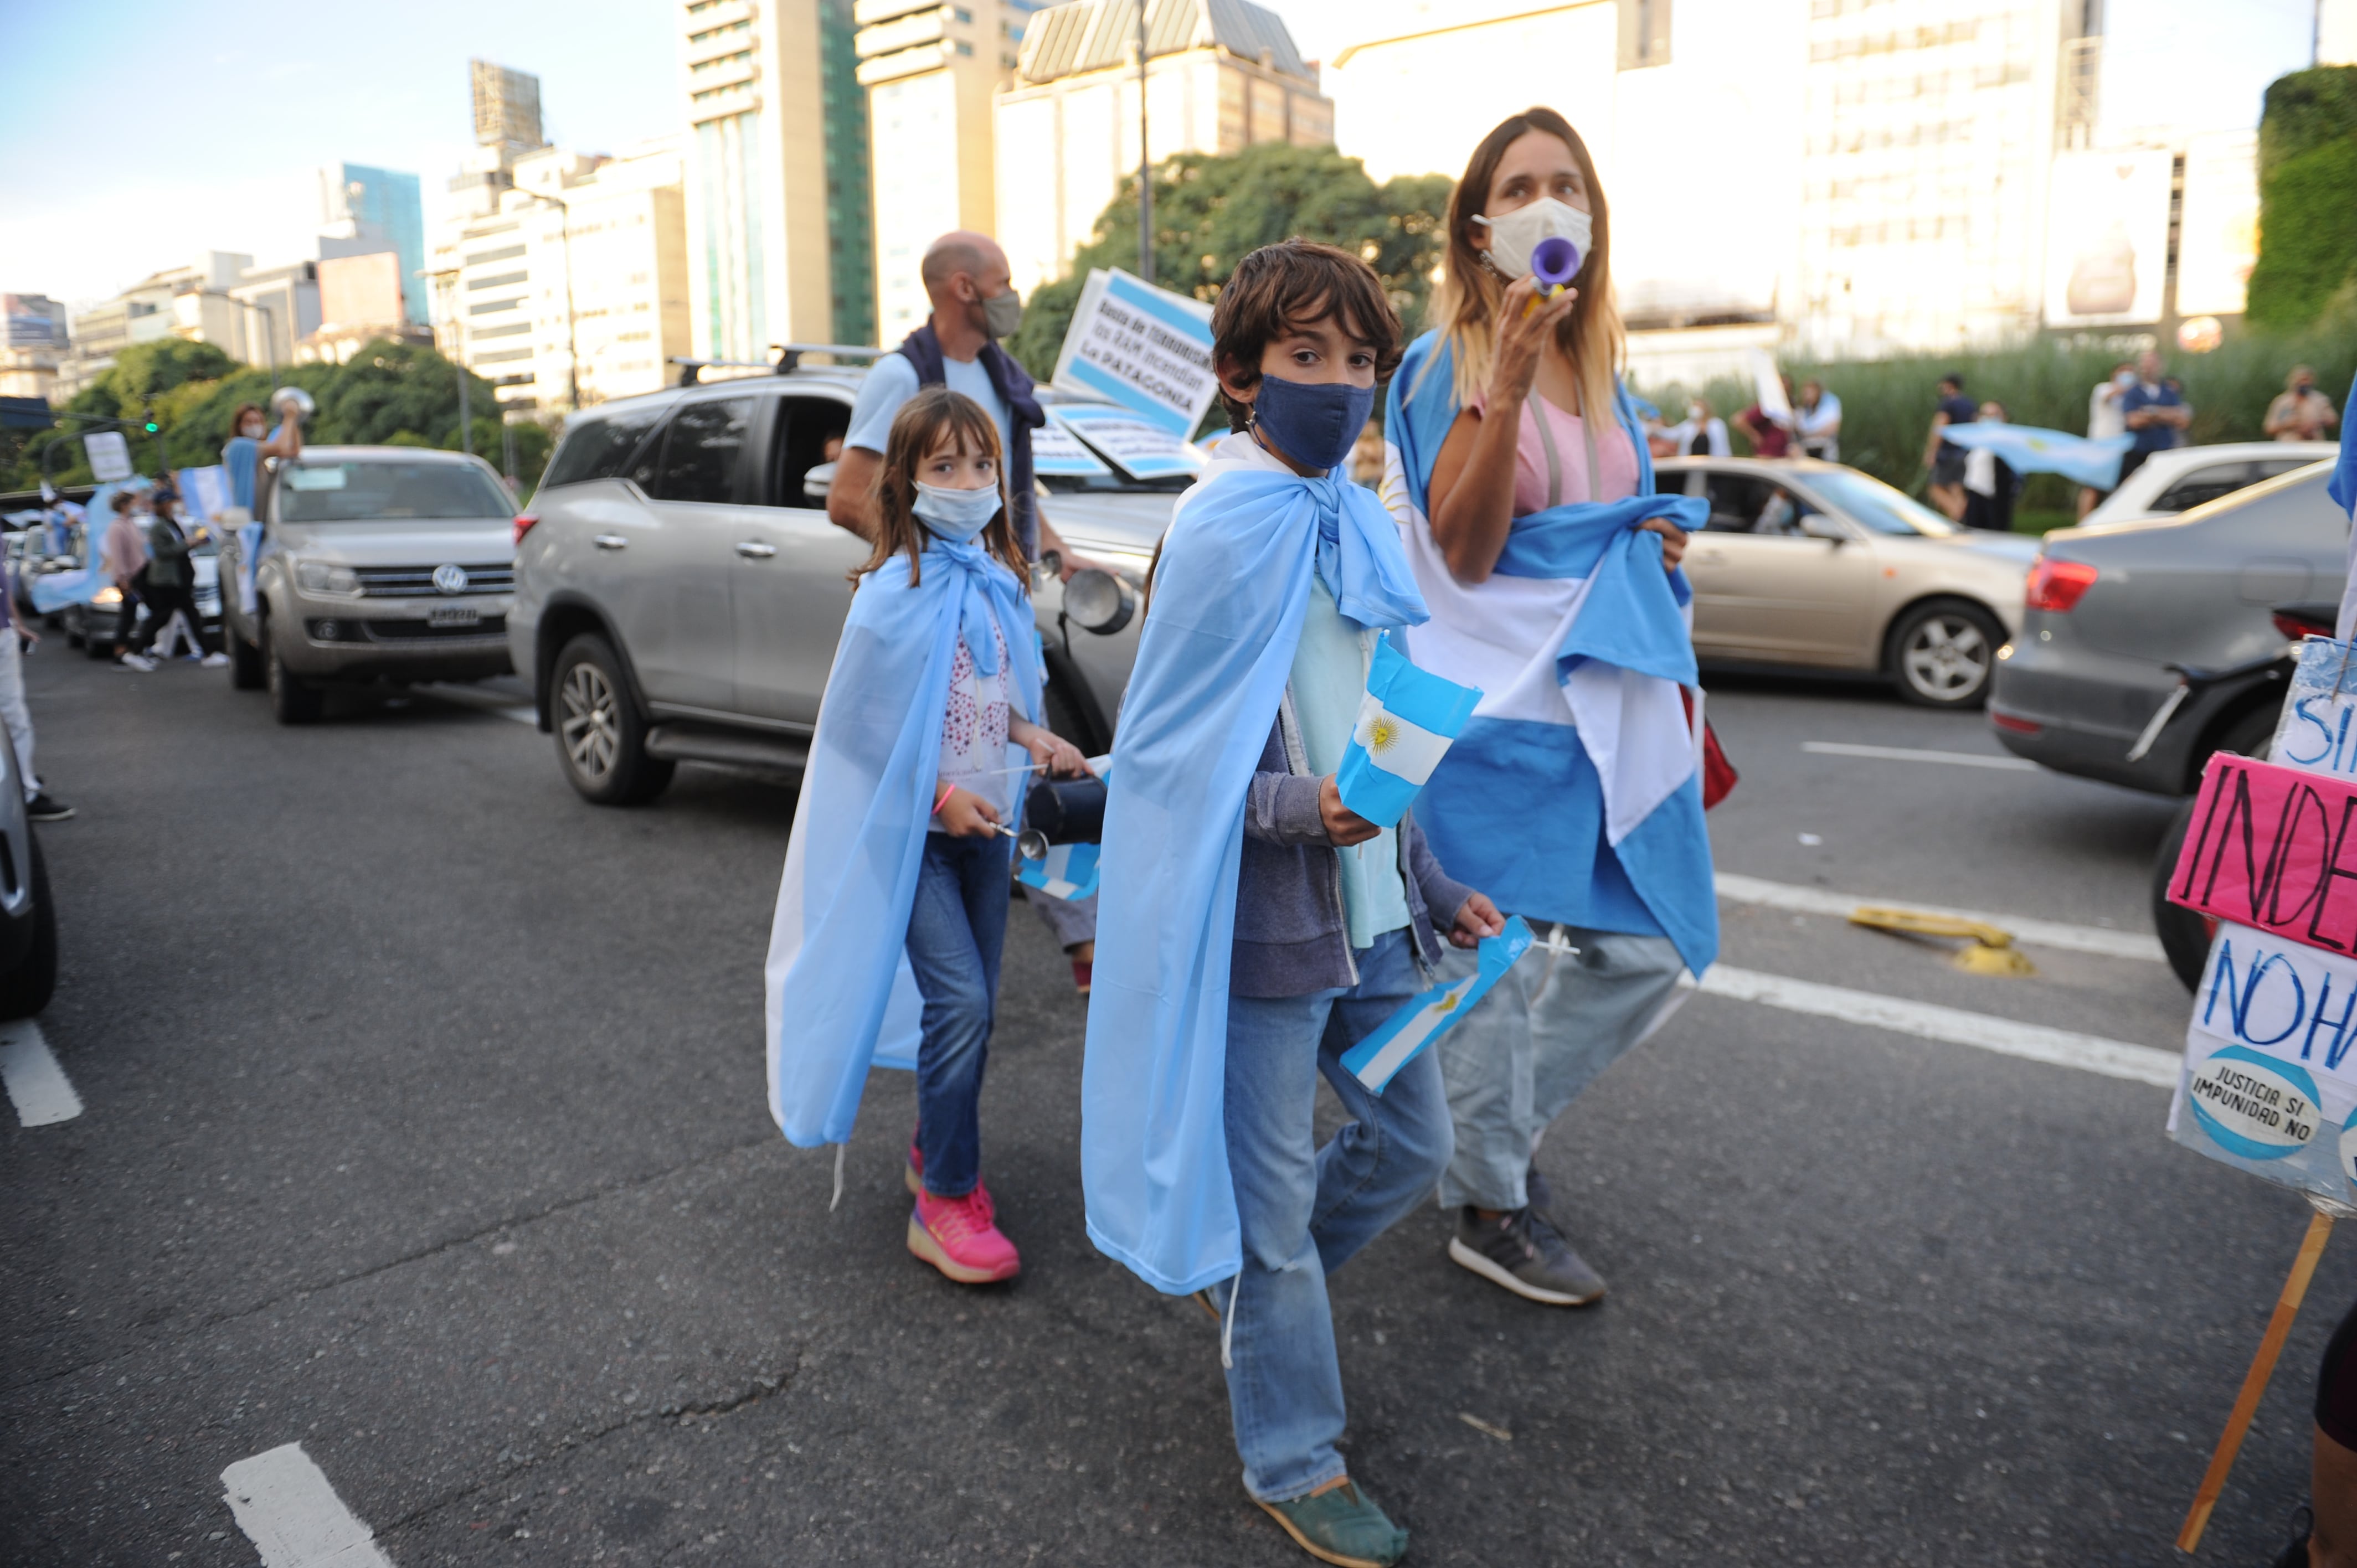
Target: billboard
[[2108, 237], [2218, 230]]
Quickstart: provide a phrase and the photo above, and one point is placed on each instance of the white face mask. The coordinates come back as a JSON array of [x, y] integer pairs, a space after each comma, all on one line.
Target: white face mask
[[954, 514], [1514, 235]]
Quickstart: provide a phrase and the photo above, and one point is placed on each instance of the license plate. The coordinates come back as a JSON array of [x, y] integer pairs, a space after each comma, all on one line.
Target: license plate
[[454, 615]]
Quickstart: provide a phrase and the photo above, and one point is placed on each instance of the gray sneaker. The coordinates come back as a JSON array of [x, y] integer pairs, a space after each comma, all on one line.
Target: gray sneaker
[[1525, 1253]]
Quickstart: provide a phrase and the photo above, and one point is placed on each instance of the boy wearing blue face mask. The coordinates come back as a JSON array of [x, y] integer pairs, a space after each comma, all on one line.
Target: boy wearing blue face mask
[[1253, 929], [900, 831]]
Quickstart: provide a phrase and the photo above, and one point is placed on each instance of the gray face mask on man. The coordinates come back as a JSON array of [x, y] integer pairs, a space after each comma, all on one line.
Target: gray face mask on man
[[1002, 314]]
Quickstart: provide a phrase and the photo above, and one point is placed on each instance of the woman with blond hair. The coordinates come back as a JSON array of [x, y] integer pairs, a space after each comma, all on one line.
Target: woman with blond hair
[[1521, 477]]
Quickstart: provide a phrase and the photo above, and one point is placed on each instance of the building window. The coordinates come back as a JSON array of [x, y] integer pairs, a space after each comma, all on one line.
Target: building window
[[503, 253], [510, 329], [961, 15], [504, 356], [497, 280], [494, 305], [1644, 34], [966, 49]]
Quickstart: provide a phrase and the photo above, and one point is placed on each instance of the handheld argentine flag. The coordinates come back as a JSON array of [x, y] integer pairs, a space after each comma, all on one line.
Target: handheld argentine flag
[[1069, 871], [1404, 1036], [1405, 724]]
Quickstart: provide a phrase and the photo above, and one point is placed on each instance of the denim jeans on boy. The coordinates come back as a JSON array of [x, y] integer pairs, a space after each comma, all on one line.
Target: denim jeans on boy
[[1305, 1211], [957, 929], [1527, 1049]]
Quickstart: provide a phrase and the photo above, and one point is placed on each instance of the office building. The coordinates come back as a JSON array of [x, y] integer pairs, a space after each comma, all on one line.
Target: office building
[[766, 161], [195, 302], [1222, 75], [363, 299], [274, 309], [931, 72], [365, 210], [578, 271], [33, 339]]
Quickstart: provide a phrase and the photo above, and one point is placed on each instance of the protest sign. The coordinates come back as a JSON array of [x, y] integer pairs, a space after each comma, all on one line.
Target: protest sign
[[1405, 722], [2313, 734], [110, 457], [1144, 348], [1055, 450], [1146, 451], [1408, 1032], [2268, 847]]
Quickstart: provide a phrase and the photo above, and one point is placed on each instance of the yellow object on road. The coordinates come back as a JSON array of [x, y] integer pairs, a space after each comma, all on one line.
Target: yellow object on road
[[1991, 951]]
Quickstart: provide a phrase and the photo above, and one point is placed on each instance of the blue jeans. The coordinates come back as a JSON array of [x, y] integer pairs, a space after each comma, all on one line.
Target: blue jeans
[[957, 929], [1305, 1211]]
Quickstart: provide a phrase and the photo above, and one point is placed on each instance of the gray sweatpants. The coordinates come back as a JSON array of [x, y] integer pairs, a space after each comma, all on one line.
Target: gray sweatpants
[[1543, 1035], [1074, 920]]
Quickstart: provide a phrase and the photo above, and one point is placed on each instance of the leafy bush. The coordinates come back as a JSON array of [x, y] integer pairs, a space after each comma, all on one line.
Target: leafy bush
[[2307, 198]]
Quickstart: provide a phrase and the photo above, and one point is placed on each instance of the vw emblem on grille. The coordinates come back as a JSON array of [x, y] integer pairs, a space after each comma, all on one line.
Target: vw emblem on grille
[[450, 579]]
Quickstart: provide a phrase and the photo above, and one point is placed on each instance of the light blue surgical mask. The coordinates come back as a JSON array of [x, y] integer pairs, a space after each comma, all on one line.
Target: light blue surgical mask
[[954, 514]]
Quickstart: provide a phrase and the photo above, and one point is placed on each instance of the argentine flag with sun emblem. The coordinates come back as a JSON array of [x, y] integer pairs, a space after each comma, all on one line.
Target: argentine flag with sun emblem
[[1404, 726], [1409, 1033]]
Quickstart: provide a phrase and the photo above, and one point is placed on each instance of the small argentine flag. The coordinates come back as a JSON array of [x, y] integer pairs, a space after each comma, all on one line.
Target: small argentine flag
[[1403, 1036], [1069, 871], [1404, 726]]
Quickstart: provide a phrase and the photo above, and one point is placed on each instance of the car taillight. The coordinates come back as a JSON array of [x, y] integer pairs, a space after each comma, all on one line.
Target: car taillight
[[2058, 586], [2297, 627], [524, 519], [2019, 726]]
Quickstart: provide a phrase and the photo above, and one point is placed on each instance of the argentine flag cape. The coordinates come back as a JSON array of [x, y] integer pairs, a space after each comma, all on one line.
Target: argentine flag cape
[[1579, 642], [1229, 598], [859, 825]]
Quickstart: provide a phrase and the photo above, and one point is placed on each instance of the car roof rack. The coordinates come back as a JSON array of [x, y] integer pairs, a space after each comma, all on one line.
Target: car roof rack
[[789, 357]]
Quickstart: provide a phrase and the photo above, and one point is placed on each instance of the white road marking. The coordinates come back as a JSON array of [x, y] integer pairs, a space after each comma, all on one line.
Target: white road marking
[[37, 1084], [498, 703], [1924, 1020], [287, 1509], [2025, 927], [1908, 754]]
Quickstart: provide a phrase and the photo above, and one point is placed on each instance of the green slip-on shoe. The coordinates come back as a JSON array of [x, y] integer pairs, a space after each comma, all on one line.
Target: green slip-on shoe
[[1341, 1526]]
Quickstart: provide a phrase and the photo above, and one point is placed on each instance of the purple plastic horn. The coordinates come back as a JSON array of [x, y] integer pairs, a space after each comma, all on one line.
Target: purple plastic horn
[[1555, 262]]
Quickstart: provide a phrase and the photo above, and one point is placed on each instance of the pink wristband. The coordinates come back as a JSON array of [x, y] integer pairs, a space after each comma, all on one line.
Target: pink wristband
[[947, 790]]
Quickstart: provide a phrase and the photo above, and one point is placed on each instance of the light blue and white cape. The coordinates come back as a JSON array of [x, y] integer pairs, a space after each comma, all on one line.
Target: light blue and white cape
[[1581, 643], [859, 825], [1230, 595]]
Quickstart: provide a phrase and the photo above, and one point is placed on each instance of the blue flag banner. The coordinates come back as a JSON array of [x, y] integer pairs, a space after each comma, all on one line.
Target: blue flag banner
[[2026, 449], [1405, 722], [1408, 1032], [1069, 871], [2343, 487]]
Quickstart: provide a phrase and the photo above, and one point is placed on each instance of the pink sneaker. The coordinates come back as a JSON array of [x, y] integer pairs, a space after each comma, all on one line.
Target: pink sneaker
[[956, 1236], [913, 1177]]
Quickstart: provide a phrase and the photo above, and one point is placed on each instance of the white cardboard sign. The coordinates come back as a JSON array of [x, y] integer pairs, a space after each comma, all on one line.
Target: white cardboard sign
[[1144, 348], [110, 456]]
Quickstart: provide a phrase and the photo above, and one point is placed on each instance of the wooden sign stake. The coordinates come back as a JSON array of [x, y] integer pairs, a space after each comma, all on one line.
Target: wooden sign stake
[[2255, 1382]]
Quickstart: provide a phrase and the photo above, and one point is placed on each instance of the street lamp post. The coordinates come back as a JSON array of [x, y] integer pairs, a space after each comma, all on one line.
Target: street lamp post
[[444, 280], [572, 339], [1145, 163]]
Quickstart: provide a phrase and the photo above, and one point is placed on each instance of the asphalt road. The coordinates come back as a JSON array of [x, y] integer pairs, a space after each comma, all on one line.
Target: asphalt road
[[424, 1128]]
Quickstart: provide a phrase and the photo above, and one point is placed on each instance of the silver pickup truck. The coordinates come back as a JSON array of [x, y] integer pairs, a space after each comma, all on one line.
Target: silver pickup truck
[[679, 590]]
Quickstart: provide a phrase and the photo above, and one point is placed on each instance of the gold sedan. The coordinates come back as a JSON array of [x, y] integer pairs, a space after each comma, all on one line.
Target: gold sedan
[[1820, 567]]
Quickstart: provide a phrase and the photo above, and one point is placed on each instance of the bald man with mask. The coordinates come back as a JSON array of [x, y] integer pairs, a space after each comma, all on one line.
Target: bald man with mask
[[974, 309]]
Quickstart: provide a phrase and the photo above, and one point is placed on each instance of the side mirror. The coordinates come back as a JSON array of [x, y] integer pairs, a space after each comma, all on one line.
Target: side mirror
[[1099, 601], [817, 482], [1817, 525]]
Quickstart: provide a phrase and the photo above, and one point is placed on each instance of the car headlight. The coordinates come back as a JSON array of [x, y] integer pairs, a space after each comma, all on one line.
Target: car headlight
[[326, 577], [109, 596]]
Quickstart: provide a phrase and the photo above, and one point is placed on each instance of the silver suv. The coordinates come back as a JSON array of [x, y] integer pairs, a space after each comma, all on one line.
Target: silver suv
[[680, 591], [377, 564]]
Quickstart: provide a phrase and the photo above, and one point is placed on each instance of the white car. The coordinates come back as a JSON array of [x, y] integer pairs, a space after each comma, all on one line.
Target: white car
[[2184, 477]]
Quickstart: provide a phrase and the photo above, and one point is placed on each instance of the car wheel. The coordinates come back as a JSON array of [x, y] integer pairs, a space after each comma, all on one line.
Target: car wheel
[[601, 740], [292, 701], [1943, 653], [2184, 933], [26, 989], [245, 671]]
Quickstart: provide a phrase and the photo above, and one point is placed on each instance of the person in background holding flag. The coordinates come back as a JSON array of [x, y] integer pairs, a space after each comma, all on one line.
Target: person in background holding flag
[[1990, 485], [900, 837], [1254, 929], [1526, 497], [241, 458]]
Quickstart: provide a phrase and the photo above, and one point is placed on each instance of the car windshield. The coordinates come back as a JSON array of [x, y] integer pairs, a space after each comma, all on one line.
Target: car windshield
[[1868, 500], [387, 491]]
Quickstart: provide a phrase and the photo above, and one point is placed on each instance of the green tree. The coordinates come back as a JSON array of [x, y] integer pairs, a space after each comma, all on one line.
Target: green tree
[[2307, 198], [1210, 210]]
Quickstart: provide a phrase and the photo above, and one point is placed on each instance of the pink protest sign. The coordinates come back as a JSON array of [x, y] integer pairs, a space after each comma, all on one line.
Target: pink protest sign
[[2269, 848]]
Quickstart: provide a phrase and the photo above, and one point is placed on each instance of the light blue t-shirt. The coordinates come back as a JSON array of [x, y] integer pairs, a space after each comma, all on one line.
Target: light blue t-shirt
[[239, 461], [1329, 682], [894, 382]]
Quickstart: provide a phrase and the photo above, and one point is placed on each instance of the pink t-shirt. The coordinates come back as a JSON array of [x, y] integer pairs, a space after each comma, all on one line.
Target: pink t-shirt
[[1614, 454]]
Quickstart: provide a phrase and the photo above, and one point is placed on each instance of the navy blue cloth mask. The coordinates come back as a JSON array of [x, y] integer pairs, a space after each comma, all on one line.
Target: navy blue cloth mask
[[1313, 423]]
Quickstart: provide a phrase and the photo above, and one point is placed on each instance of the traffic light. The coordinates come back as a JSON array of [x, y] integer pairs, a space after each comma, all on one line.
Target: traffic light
[[151, 426]]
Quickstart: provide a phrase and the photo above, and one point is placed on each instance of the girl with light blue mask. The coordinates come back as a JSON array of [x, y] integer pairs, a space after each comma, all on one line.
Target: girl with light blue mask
[[902, 830]]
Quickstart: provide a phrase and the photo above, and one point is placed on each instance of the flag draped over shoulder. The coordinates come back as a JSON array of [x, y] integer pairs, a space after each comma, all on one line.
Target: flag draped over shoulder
[[2092, 461], [1573, 793], [842, 923], [1230, 595]]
